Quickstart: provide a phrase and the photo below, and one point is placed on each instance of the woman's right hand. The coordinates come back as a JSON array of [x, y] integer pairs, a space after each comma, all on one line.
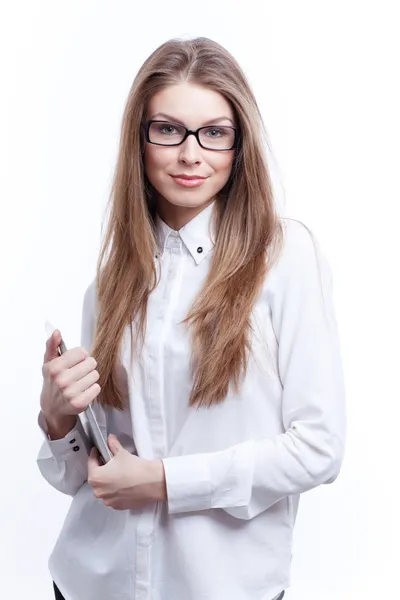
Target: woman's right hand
[[69, 385]]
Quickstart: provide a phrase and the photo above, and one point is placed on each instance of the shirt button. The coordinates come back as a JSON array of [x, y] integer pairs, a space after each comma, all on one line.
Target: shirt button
[[72, 441], [75, 448], [199, 249]]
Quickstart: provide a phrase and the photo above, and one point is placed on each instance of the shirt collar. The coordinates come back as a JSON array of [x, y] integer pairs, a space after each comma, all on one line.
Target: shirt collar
[[196, 235]]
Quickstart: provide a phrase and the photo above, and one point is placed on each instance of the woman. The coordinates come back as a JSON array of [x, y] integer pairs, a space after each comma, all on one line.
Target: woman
[[213, 340]]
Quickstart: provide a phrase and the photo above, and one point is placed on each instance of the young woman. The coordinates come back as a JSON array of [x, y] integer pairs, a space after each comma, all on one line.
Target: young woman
[[210, 345]]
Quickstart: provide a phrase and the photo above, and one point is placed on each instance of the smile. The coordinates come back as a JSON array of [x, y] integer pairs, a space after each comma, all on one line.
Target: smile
[[188, 181]]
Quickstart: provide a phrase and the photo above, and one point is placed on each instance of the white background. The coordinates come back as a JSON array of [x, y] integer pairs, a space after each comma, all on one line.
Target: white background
[[326, 78]]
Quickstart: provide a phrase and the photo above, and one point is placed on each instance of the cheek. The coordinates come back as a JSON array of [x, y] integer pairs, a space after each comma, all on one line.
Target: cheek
[[222, 164], [156, 161]]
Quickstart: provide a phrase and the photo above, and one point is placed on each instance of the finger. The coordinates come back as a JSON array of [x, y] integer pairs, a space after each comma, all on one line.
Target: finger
[[67, 360], [81, 402], [73, 357], [79, 378], [114, 444], [79, 387], [93, 463], [52, 346]]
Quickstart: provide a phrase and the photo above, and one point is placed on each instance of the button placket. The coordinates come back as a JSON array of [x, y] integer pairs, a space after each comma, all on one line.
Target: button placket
[[155, 401], [157, 349], [143, 554]]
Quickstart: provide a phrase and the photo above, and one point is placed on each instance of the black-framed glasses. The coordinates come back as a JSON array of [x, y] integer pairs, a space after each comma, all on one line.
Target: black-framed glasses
[[212, 137]]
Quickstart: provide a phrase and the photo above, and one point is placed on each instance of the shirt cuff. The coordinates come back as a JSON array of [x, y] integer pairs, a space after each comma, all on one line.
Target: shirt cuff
[[188, 483], [73, 444]]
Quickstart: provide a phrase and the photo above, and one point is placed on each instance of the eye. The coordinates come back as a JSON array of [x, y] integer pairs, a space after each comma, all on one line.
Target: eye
[[167, 129], [215, 132]]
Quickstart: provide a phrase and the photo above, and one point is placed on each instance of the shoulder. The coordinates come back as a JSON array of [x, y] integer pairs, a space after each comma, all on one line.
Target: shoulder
[[301, 259], [90, 296], [299, 242], [90, 293], [89, 308]]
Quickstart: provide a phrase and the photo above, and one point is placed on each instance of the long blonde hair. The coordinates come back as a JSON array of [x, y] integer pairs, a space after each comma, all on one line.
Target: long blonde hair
[[247, 226]]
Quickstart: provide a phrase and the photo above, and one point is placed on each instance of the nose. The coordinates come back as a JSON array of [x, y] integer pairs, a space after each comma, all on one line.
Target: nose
[[190, 151]]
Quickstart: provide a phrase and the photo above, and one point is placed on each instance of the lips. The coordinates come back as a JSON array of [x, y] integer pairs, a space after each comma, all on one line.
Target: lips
[[188, 177], [189, 181]]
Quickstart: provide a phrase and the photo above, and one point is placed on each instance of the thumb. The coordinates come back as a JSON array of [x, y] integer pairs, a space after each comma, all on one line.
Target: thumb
[[93, 464], [114, 444], [51, 346]]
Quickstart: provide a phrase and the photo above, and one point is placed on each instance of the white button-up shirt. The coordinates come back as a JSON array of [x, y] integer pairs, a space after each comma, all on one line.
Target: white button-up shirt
[[234, 472]]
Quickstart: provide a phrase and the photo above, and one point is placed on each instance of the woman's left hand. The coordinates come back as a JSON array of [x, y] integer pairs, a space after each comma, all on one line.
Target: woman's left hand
[[127, 481]]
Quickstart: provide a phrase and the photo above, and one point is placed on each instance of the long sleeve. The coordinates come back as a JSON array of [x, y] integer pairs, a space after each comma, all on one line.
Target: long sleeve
[[250, 477], [63, 463]]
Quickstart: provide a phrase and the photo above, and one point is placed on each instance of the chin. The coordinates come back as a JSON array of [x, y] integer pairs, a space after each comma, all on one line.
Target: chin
[[186, 200]]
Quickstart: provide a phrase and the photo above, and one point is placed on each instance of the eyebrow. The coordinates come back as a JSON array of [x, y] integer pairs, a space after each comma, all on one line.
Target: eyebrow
[[169, 118]]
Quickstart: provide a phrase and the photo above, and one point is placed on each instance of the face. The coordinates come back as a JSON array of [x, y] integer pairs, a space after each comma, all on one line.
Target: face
[[194, 106]]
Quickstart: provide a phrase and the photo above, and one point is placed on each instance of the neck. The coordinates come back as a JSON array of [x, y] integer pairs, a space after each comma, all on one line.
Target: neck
[[177, 217]]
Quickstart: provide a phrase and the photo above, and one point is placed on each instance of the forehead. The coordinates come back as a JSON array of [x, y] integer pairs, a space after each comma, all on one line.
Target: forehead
[[190, 104]]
